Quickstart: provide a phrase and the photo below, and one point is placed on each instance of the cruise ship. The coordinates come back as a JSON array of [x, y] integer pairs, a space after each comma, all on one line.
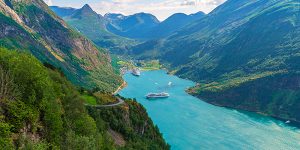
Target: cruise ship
[[136, 72], [157, 95]]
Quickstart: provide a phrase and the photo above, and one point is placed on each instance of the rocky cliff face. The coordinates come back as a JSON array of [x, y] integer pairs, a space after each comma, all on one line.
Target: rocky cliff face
[[30, 25]]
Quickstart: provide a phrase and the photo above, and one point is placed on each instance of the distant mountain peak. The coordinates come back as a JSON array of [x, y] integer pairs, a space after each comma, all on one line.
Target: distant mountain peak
[[87, 7], [200, 13], [86, 10], [143, 13], [145, 17], [114, 16], [177, 15]]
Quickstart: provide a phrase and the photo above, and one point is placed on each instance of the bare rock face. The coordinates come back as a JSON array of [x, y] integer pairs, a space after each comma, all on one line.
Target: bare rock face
[[4, 8], [29, 25]]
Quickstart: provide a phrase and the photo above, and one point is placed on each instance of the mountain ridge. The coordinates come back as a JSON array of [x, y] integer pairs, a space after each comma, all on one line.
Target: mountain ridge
[[140, 26], [51, 40], [94, 26], [133, 26], [172, 24]]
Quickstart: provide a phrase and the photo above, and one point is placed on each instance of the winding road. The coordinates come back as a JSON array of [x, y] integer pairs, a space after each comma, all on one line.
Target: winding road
[[120, 102]]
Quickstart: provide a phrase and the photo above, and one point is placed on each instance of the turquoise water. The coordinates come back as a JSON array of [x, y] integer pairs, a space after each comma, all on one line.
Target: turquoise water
[[188, 123]]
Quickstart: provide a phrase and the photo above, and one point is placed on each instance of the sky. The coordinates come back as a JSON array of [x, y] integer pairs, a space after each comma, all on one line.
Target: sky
[[160, 8]]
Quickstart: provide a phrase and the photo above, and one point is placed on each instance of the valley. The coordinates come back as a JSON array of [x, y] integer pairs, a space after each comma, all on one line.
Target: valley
[[232, 75], [243, 54]]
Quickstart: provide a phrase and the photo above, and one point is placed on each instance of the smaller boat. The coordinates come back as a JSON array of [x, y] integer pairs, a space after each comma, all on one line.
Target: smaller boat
[[287, 122], [136, 72], [157, 95]]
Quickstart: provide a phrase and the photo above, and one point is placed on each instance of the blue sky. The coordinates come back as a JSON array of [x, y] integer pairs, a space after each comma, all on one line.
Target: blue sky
[[160, 8]]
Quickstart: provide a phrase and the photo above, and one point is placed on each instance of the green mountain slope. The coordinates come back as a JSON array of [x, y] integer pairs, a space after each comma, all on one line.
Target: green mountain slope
[[145, 26], [40, 109], [63, 11], [238, 49], [113, 31], [172, 24], [135, 26], [31, 25], [93, 25]]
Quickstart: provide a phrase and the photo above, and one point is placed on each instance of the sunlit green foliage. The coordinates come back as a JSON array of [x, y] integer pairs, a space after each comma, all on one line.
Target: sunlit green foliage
[[149, 65], [91, 100], [47, 106], [47, 112]]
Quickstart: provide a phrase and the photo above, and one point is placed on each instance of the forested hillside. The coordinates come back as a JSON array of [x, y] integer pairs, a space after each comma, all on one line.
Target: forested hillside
[[235, 53], [30, 25], [40, 109], [172, 24]]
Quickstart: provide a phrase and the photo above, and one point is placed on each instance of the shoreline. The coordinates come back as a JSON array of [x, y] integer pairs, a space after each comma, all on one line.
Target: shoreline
[[294, 123], [123, 85]]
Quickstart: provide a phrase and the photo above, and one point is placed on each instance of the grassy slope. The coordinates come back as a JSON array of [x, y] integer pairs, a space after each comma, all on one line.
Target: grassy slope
[[89, 99]]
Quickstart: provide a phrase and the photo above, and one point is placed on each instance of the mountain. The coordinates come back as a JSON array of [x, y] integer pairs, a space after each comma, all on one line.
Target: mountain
[[116, 31], [63, 11], [93, 25], [114, 17], [29, 25], [146, 26], [244, 54], [133, 26], [172, 24]]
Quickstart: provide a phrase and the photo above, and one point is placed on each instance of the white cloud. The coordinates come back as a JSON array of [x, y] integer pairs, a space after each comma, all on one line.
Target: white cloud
[[49, 3]]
